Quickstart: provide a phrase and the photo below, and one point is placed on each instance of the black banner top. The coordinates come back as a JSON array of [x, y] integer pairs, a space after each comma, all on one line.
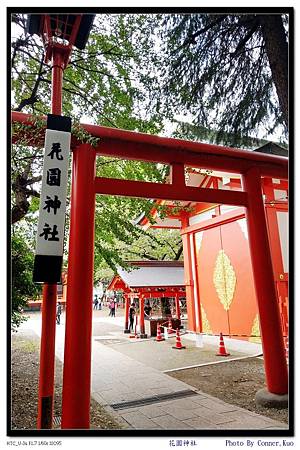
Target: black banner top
[[59, 123]]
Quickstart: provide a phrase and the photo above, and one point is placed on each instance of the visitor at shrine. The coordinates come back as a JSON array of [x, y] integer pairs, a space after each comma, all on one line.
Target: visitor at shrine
[[147, 311], [96, 301], [112, 307], [131, 316]]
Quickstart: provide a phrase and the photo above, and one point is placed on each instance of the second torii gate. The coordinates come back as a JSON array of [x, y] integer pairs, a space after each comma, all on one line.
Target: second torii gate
[[178, 154]]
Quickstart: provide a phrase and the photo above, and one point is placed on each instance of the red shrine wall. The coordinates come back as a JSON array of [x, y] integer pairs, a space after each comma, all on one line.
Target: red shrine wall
[[225, 283], [221, 297]]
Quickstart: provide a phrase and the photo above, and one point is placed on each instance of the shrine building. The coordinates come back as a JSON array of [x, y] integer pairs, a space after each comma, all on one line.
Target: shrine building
[[158, 283], [220, 292]]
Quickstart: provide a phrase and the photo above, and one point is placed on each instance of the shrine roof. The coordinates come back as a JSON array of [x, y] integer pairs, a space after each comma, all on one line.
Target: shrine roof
[[153, 273], [272, 148]]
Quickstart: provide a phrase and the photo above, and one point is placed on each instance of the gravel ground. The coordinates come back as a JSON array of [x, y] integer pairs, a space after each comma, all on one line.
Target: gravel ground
[[162, 356], [24, 387], [235, 382]]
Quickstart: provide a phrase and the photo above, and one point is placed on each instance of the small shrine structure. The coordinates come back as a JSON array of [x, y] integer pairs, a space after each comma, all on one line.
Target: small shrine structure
[[149, 280]]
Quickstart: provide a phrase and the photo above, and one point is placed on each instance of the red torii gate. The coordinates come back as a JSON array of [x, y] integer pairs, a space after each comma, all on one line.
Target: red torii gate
[[177, 153]]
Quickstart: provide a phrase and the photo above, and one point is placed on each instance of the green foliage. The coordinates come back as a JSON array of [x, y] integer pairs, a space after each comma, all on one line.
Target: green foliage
[[192, 132], [23, 287], [217, 70], [131, 170], [107, 81], [117, 238], [106, 84], [155, 244], [28, 135], [115, 228]]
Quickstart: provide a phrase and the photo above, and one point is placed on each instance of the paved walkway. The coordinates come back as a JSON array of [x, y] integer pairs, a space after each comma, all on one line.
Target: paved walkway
[[143, 397]]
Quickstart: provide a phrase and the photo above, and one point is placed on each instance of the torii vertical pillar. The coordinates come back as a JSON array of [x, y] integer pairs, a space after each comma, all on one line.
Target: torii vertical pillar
[[277, 258], [177, 306], [188, 276], [77, 357], [47, 357], [271, 333], [142, 318], [47, 351]]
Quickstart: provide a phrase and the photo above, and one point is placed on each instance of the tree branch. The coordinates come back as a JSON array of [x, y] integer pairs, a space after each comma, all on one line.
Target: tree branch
[[33, 180], [245, 39], [143, 255], [85, 98], [33, 96], [32, 193], [178, 254], [191, 39], [276, 46]]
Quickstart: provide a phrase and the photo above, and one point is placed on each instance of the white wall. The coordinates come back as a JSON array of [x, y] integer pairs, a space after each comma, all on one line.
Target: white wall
[[201, 217], [282, 218]]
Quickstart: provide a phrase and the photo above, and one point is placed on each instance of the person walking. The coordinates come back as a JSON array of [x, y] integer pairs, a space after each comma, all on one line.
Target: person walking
[[131, 316], [113, 308], [96, 301]]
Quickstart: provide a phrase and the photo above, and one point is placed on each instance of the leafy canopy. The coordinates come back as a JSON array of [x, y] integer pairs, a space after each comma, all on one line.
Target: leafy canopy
[[228, 72], [22, 286], [107, 84]]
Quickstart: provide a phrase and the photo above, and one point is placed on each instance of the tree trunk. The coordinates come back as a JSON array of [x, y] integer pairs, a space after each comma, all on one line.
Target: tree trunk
[[21, 191], [277, 51], [19, 211]]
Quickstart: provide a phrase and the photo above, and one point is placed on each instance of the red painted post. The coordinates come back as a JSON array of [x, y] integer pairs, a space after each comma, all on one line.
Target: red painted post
[[57, 80], [271, 333], [47, 351], [276, 252], [188, 277], [142, 318], [199, 327], [273, 229], [177, 306], [126, 329], [77, 357]]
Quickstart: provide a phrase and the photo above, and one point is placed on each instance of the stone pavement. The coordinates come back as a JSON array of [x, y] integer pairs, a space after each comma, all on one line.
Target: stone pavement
[[142, 397]]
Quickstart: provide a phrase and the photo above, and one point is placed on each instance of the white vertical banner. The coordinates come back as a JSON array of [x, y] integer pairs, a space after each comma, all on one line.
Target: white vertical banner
[[52, 212]]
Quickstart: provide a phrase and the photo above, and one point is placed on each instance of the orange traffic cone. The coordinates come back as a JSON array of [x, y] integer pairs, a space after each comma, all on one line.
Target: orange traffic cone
[[159, 337], [222, 350], [178, 345], [170, 329]]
